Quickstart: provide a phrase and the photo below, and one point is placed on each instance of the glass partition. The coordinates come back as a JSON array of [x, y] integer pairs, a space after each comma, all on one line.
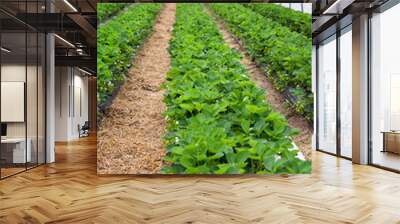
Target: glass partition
[[13, 94], [385, 89], [22, 100], [327, 95], [346, 92]]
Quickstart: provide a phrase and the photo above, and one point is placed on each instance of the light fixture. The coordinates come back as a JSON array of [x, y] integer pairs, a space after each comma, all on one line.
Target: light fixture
[[80, 51], [338, 6], [70, 5], [86, 72], [5, 50], [64, 40], [331, 7]]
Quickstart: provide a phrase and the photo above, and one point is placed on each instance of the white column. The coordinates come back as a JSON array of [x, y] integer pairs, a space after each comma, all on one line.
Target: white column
[[360, 90], [50, 110]]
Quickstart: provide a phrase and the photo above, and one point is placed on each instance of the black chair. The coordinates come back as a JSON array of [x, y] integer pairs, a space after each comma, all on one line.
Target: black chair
[[84, 130]]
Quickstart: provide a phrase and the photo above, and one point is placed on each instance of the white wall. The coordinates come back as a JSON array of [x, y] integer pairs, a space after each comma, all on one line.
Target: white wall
[[12, 73], [70, 83], [13, 101], [62, 81], [81, 85]]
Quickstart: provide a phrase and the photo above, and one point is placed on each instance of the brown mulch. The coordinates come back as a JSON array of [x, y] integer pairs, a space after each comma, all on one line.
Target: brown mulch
[[130, 135], [304, 139]]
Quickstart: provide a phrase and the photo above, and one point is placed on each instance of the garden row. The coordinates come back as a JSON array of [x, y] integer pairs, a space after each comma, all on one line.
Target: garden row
[[284, 54], [106, 10], [119, 41], [217, 119], [294, 20]]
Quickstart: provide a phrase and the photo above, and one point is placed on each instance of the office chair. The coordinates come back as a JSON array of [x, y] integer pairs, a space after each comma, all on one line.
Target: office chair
[[84, 130]]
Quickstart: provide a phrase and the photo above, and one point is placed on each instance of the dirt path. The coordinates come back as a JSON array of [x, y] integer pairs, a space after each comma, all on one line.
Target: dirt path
[[130, 136], [276, 99]]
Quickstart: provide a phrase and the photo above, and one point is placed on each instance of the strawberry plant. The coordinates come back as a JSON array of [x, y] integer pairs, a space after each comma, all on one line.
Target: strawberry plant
[[117, 43], [106, 10], [284, 54], [217, 119], [294, 20]]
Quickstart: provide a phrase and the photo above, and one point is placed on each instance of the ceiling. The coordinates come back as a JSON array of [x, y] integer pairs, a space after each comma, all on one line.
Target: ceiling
[[74, 22], [330, 15]]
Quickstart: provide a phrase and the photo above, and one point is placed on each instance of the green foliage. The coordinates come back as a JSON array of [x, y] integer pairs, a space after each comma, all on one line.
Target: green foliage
[[285, 54], [295, 20], [106, 10], [117, 43], [217, 119]]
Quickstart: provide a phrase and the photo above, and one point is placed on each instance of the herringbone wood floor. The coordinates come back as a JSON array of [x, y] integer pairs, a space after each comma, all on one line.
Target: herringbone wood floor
[[69, 191]]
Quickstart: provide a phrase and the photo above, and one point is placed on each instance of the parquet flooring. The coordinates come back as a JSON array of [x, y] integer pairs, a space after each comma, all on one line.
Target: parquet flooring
[[69, 191]]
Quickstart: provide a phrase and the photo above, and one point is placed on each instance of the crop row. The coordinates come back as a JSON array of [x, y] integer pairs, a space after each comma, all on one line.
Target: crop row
[[285, 54], [295, 20], [106, 10], [118, 41], [217, 119]]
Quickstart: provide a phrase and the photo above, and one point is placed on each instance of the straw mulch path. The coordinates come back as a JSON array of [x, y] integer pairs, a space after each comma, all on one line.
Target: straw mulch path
[[130, 135]]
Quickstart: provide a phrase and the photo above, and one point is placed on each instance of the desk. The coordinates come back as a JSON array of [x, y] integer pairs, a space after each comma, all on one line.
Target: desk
[[17, 151], [391, 141]]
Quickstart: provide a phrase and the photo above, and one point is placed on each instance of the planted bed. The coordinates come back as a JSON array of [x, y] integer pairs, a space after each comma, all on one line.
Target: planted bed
[[218, 120]]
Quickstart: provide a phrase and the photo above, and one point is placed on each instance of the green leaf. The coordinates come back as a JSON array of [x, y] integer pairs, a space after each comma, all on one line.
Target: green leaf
[[222, 168], [188, 107], [242, 156], [198, 170], [186, 161], [245, 124]]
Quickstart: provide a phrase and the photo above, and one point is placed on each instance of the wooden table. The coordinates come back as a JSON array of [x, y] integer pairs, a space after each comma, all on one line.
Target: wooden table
[[391, 141]]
